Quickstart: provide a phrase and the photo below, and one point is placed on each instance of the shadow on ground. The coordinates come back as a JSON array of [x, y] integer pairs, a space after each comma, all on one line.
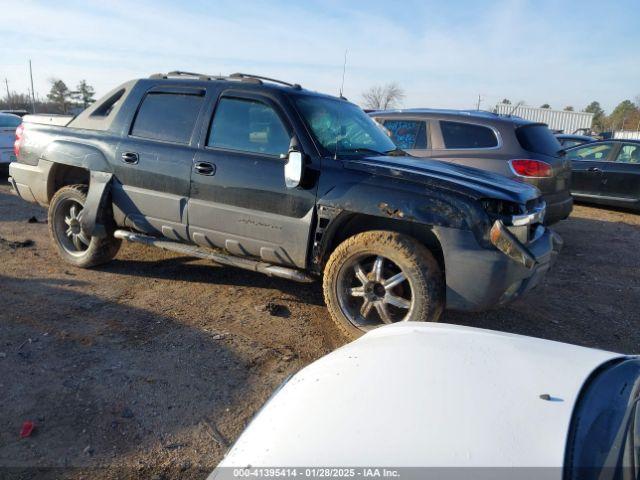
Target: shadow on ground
[[14, 209], [109, 378], [192, 270]]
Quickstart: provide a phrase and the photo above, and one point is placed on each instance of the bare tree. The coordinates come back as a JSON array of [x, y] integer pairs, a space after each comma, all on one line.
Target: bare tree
[[568, 108], [383, 97]]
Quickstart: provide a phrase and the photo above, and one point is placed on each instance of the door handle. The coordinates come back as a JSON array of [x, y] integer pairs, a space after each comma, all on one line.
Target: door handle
[[130, 157], [205, 168], [594, 170]]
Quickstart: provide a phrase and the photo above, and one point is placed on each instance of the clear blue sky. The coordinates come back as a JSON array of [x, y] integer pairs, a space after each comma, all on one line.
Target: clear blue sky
[[443, 53]]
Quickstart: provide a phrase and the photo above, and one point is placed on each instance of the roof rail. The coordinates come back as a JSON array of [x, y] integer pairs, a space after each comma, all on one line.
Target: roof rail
[[180, 73], [245, 77], [268, 79]]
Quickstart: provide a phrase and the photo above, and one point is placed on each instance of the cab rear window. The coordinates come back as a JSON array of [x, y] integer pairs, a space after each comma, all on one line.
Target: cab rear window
[[167, 117], [537, 138]]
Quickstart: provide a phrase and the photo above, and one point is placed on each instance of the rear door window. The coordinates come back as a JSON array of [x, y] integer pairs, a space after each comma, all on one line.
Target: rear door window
[[408, 134], [594, 153], [629, 153], [168, 117], [467, 135], [248, 126], [538, 138]]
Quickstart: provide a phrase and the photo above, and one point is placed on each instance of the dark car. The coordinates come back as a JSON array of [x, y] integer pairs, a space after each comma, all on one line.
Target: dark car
[[267, 176], [507, 145], [607, 172], [568, 140]]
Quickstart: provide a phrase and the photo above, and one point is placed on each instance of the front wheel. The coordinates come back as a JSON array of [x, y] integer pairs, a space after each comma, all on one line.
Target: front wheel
[[65, 228], [381, 277]]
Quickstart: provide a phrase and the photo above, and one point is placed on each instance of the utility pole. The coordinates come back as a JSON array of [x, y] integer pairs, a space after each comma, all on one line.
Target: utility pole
[[33, 94], [479, 101], [6, 82]]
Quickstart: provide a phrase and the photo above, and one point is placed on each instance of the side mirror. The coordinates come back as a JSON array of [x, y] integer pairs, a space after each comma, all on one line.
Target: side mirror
[[293, 169]]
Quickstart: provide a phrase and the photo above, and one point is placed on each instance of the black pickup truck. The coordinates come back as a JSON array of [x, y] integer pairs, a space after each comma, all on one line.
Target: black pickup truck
[[264, 175]]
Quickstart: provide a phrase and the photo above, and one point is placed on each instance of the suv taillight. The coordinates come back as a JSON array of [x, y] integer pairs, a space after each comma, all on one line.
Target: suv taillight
[[18, 142], [531, 168]]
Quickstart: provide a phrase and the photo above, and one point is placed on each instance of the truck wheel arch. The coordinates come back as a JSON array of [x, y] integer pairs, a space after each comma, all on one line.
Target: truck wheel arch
[[71, 164], [346, 224], [62, 175]]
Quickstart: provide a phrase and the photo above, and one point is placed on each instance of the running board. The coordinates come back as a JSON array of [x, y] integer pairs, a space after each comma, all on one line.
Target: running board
[[221, 258]]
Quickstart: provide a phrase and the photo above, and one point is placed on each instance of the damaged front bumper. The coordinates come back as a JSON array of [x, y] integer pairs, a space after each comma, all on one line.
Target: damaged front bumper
[[538, 256], [478, 278], [507, 242]]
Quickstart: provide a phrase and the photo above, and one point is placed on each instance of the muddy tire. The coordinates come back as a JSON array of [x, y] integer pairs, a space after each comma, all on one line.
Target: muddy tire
[[381, 277], [73, 245]]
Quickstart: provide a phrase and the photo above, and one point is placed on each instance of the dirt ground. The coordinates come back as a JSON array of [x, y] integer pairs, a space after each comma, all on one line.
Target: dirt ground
[[150, 366]]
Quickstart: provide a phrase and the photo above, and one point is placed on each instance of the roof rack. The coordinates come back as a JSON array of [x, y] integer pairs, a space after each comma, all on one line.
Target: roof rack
[[179, 73], [243, 77], [258, 77]]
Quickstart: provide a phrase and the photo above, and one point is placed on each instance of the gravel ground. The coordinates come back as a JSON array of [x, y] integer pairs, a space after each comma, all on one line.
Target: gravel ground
[[151, 365]]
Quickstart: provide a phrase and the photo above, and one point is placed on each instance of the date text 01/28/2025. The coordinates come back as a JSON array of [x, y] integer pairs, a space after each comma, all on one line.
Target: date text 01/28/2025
[[315, 472]]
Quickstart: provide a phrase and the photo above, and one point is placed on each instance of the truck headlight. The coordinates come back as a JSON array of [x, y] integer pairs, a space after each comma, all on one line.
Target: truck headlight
[[513, 214], [533, 216]]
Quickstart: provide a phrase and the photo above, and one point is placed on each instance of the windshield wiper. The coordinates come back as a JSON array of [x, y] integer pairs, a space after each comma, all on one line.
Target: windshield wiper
[[362, 150], [396, 152]]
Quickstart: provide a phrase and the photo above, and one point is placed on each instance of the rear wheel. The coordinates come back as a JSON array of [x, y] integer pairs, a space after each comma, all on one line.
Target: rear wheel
[[381, 277], [65, 229]]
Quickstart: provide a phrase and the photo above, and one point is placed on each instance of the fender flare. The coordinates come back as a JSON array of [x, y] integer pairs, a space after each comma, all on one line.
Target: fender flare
[[436, 208], [88, 158], [417, 204], [93, 221], [76, 155]]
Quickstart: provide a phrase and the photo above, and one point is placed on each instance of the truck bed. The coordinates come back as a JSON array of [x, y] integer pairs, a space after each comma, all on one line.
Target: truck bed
[[48, 119]]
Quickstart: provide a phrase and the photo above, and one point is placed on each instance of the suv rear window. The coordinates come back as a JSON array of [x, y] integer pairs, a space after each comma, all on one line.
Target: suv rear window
[[467, 135], [538, 138], [408, 134], [168, 117]]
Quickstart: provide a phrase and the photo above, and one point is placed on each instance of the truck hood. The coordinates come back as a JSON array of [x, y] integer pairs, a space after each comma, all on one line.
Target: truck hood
[[467, 180]]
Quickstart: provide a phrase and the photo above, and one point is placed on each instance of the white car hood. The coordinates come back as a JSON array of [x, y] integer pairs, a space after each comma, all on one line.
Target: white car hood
[[418, 394]]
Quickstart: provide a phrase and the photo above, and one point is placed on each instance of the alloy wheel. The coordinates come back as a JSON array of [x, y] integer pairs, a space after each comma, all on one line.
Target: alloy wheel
[[373, 290]]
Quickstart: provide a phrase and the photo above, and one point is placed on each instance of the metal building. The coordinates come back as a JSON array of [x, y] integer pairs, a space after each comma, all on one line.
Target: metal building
[[626, 135], [563, 120]]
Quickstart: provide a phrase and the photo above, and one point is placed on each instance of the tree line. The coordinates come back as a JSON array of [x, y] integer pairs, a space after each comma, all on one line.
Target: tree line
[[60, 99], [625, 116]]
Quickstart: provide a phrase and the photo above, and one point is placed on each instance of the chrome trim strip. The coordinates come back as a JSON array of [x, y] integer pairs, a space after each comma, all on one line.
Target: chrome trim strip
[[604, 197]]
